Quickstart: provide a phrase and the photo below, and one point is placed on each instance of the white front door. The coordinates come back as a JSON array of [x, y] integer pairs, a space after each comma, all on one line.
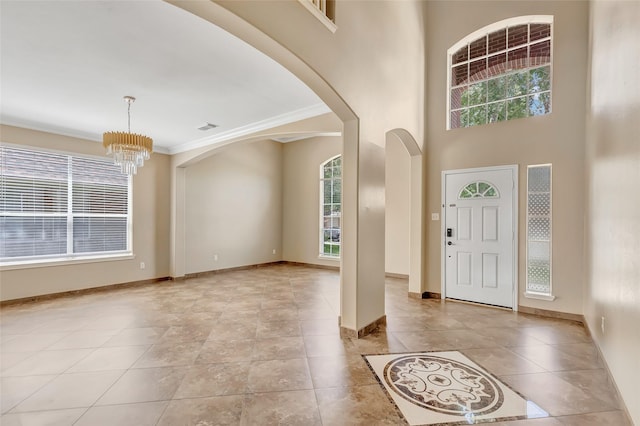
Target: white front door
[[479, 226]]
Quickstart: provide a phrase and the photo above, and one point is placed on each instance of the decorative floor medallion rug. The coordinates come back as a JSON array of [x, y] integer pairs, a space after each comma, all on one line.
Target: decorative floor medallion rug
[[447, 388]]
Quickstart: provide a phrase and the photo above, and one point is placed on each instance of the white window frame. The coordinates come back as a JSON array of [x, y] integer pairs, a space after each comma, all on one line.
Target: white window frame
[[70, 257], [530, 294], [322, 254], [482, 32]]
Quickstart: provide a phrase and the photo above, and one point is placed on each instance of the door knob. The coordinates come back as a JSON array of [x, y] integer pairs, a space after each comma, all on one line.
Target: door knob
[[449, 243]]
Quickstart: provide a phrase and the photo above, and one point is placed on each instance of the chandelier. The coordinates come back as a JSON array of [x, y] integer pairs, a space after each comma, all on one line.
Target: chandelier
[[129, 150]]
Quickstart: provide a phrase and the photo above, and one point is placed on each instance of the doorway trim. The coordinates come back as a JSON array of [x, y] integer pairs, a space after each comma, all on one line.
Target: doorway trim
[[443, 211]]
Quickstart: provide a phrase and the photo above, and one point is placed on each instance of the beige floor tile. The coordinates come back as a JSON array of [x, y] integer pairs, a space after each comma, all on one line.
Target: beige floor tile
[[560, 333], [170, 355], [219, 410], [594, 383], [185, 333], [320, 327], [214, 380], [509, 336], [502, 361], [422, 341], [234, 329], [279, 348], [340, 371], [554, 395], [108, 322], [136, 336], [551, 358], [327, 345], [110, 358], [281, 408], [48, 362], [9, 359], [279, 375], [70, 391], [217, 351], [288, 303], [466, 339], [360, 405], [60, 325], [406, 324], [32, 342], [378, 342], [142, 414], [144, 385], [83, 339], [267, 329], [14, 390], [611, 418], [216, 325], [282, 314], [42, 418], [547, 421]]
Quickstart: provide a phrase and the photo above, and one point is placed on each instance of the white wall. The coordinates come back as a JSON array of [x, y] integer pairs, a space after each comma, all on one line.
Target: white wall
[[397, 207], [556, 138], [301, 198], [613, 163], [150, 228], [233, 206]]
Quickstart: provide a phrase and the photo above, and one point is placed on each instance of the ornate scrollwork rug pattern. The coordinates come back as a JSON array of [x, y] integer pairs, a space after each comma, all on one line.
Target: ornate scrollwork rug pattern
[[446, 388]]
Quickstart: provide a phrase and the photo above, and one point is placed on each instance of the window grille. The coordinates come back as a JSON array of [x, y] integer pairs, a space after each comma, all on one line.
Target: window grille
[[330, 206], [501, 72]]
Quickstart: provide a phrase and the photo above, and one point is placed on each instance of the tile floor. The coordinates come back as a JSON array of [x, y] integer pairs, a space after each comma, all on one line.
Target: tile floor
[[262, 347]]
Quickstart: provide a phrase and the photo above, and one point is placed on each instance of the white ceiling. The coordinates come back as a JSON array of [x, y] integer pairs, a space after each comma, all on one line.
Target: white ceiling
[[66, 65]]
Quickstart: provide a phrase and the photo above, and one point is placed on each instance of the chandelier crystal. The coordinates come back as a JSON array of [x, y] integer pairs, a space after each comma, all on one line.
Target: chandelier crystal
[[129, 150]]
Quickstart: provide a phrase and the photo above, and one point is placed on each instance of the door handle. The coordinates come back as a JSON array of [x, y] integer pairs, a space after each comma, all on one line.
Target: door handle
[[449, 243]]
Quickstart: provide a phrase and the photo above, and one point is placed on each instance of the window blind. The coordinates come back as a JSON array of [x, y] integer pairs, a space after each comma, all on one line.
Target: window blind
[[55, 205]]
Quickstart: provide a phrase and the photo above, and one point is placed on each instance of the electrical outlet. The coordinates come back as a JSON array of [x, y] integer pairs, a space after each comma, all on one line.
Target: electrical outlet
[[274, 251], [602, 325], [215, 257], [142, 265], [435, 216]]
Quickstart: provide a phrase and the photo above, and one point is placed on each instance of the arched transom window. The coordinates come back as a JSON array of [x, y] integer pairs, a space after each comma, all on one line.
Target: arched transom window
[[330, 206], [479, 189], [501, 72]]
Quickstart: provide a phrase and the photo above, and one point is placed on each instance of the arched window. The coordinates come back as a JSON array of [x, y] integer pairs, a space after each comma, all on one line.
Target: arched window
[[501, 72], [330, 206], [479, 189]]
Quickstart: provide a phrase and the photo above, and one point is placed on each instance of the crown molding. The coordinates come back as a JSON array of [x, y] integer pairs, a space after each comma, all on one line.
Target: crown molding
[[269, 123]]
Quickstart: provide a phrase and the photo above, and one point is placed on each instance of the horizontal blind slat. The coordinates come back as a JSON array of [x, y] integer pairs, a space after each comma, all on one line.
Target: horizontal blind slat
[[34, 205]]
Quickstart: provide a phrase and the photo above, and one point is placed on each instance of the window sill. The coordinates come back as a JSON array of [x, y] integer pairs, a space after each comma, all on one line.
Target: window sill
[[43, 263], [540, 296], [325, 257]]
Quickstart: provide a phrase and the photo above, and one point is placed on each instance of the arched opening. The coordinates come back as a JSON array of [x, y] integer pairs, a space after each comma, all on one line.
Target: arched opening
[[354, 315], [411, 206]]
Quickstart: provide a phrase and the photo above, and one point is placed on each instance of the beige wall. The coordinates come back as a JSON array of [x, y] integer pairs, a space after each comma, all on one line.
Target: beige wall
[[382, 82], [233, 205], [150, 228], [301, 198], [397, 212], [613, 162], [557, 138]]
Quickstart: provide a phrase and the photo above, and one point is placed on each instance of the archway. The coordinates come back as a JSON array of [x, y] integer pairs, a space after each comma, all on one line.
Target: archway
[[361, 208], [416, 234]]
